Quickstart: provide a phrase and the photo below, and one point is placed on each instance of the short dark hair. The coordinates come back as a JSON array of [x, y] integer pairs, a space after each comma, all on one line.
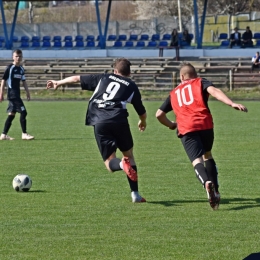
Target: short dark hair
[[17, 51], [123, 66]]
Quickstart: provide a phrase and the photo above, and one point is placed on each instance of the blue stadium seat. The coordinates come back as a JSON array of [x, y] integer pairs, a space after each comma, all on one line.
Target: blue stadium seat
[[35, 39], [24, 38], [24, 44], [129, 44], [155, 37], [152, 44], [223, 36], [68, 38], [46, 38], [98, 37], [117, 44], [224, 44], [166, 37], [90, 38], [140, 44], [144, 37], [78, 38], [57, 45], [121, 37], [133, 37], [2, 39], [35, 44], [163, 44], [68, 45], [1, 45], [79, 44], [56, 38], [256, 36], [46, 45], [90, 44], [111, 37], [15, 39]]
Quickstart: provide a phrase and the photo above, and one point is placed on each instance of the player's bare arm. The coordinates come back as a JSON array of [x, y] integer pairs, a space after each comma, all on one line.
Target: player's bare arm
[[2, 90], [27, 90], [57, 83], [219, 95], [142, 122], [163, 119]]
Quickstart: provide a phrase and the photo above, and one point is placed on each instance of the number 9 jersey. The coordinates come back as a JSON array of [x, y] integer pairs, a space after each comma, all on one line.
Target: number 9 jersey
[[111, 94], [189, 101]]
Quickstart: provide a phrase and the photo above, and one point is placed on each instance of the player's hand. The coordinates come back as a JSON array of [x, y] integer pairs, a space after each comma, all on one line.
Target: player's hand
[[52, 84], [173, 126], [1, 98], [239, 107], [141, 125]]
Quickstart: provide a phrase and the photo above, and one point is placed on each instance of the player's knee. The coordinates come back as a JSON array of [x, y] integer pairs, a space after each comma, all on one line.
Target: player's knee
[[207, 155]]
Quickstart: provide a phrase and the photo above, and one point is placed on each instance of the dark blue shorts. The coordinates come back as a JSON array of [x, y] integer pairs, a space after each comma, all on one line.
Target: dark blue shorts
[[110, 136], [197, 143]]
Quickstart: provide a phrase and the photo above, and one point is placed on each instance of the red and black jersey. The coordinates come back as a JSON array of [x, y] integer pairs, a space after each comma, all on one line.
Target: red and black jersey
[[13, 75], [189, 101], [111, 94]]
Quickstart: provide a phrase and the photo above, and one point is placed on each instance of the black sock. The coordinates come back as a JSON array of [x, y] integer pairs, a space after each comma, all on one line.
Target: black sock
[[212, 172], [8, 123], [23, 121], [201, 173], [114, 165], [133, 184]]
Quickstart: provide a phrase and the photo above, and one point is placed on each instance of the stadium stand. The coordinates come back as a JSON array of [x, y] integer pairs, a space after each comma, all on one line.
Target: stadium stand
[[166, 37], [152, 44], [111, 37], [155, 37], [224, 44]]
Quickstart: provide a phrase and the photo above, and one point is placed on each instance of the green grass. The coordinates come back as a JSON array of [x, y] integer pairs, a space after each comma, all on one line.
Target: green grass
[[78, 210]]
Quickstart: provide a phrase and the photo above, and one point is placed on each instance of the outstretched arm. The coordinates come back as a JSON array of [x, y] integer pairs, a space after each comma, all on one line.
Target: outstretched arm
[[163, 119], [57, 83], [219, 95]]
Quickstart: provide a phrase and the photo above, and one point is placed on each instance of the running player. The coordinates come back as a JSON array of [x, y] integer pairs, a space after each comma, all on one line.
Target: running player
[[194, 122], [13, 74], [108, 114]]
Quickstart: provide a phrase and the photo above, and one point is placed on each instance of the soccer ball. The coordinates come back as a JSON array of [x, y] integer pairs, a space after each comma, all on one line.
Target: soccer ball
[[22, 182]]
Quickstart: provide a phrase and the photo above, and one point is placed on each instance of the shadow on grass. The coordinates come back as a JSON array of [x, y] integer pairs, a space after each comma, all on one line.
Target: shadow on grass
[[239, 203], [36, 191]]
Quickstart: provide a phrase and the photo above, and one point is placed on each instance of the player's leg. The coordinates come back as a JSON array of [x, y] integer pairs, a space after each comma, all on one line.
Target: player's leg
[[23, 122], [194, 148], [11, 115]]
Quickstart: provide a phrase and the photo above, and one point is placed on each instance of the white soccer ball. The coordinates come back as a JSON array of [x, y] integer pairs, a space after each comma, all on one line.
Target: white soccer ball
[[22, 182]]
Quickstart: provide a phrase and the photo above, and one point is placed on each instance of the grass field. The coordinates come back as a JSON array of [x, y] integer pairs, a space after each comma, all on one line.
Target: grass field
[[78, 210]]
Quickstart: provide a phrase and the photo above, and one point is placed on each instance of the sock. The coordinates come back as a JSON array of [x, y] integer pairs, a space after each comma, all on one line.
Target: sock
[[114, 165], [212, 172], [8, 123], [201, 173], [133, 184], [23, 121]]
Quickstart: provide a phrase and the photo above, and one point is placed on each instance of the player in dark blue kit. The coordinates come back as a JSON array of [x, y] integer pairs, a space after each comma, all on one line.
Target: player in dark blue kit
[[107, 113], [13, 74]]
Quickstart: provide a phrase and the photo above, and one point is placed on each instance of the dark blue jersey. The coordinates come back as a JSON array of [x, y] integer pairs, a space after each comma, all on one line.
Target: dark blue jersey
[[111, 95], [13, 75]]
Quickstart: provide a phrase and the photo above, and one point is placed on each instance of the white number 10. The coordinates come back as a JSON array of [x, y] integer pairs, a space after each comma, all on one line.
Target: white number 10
[[181, 96]]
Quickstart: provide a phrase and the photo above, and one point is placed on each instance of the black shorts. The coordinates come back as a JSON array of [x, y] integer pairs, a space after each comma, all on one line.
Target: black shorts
[[15, 105], [110, 136], [197, 143]]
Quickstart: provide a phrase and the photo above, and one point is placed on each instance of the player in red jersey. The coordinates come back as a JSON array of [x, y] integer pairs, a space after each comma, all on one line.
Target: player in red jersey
[[194, 123]]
